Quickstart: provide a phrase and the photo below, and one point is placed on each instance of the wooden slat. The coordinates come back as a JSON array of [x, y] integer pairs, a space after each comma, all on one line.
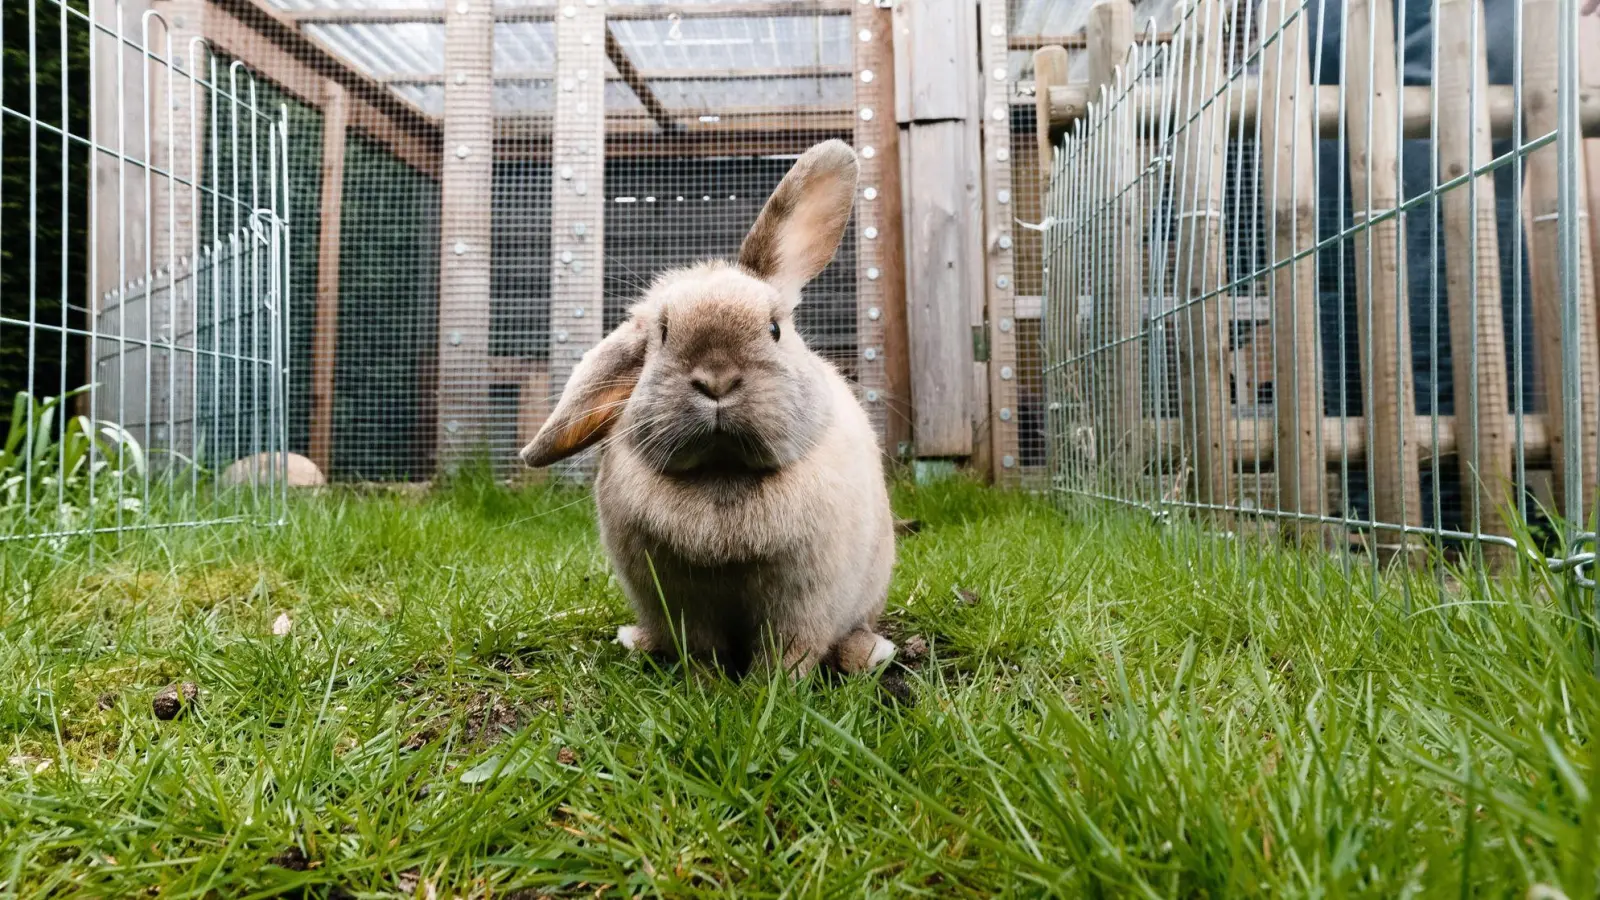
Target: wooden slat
[[1383, 315], [880, 249], [282, 55], [577, 197], [1344, 438], [1289, 186], [1049, 73], [1068, 103], [1542, 94], [1472, 271], [1203, 341], [935, 52], [629, 74], [325, 325], [426, 13], [464, 231], [514, 75], [1589, 82], [1119, 318], [1000, 277]]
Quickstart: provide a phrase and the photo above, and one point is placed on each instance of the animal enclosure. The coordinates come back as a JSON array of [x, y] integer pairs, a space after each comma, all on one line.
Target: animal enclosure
[[1327, 270]]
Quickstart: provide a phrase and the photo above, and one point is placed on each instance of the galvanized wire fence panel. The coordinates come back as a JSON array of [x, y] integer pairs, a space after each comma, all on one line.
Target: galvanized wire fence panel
[[144, 220], [1306, 278]]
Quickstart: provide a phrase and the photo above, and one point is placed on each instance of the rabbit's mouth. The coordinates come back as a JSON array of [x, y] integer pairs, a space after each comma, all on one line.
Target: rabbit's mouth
[[721, 449]]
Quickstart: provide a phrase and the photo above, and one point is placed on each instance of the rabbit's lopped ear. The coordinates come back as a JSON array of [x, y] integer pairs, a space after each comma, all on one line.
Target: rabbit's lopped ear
[[799, 229], [599, 387]]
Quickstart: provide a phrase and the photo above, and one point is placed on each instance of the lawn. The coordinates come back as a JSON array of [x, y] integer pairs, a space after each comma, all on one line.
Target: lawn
[[406, 695]]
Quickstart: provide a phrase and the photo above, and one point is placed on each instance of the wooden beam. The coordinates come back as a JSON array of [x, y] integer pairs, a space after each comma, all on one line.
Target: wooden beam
[[1000, 275], [1203, 336], [325, 324], [465, 232], [1472, 272], [636, 83], [1383, 314], [428, 13], [1049, 73], [691, 139], [935, 54], [1556, 327], [749, 118], [577, 199], [1343, 438], [280, 53], [1118, 319], [1069, 103], [504, 77], [1290, 204], [880, 251]]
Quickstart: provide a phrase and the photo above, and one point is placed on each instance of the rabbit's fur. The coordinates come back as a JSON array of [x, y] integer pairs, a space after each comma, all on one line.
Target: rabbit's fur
[[740, 489]]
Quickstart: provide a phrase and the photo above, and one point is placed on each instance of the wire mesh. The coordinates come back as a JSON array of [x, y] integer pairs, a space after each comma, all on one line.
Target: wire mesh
[[1361, 305], [144, 221]]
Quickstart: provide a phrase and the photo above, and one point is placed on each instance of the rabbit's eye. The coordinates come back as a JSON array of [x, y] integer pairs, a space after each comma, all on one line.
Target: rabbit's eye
[[773, 330]]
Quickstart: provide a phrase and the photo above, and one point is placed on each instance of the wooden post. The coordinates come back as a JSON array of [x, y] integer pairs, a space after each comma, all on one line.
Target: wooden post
[[1589, 80], [1119, 304], [885, 378], [1395, 491], [464, 230], [1289, 187], [1000, 278], [1472, 272], [1049, 70], [577, 197], [1542, 95], [325, 327], [1203, 338], [935, 100]]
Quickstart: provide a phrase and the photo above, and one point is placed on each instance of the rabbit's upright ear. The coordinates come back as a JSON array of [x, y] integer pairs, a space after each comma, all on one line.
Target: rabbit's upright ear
[[595, 394], [799, 229]]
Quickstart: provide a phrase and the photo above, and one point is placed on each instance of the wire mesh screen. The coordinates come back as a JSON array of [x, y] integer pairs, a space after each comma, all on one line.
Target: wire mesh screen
[[1311, 278], [146, 288]]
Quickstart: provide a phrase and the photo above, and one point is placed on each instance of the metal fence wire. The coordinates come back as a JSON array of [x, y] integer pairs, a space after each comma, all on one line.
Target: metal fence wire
[[1306, 279], [145, 296]]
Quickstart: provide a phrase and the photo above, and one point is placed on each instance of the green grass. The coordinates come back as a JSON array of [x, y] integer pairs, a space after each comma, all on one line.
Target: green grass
[[1108, 708]]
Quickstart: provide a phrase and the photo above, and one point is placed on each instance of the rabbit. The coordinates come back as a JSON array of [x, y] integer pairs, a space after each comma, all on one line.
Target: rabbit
[[740, 487]]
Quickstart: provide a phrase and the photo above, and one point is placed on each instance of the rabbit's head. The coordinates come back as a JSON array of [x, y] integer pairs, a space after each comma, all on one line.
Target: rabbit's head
[[708, 372]]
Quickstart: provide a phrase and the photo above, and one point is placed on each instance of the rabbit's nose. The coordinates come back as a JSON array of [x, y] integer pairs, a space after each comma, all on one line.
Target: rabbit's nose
[[715, 383]]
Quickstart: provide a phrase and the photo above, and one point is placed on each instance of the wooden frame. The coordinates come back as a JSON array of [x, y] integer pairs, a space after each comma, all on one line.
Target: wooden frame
[[1000, 274], [325, 326]]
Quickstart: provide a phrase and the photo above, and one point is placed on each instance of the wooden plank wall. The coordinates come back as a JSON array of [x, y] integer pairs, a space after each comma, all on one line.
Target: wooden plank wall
[[936, 105]]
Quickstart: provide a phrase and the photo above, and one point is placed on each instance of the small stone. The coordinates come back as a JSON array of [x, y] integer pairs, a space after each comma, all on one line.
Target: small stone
[[281, 625], [914, 649], [291, 858], [174, 700], [406, 882], [567, 756], [108, 700]]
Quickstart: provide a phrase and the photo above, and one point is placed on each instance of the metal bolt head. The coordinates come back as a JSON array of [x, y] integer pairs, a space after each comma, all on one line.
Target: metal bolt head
[[577, 312], [569, 11], [1002, 282], [561, 337], [869, 354], [1005, 414], [872, 396], [1009, 461], [1005, 324], [868, 153], [999, 114], [566, 173], [567, 84], [866, 114], [873, 313], [455, 338], [566, 257], [1005, 373], [870, 193], [870, 233], [1002, 154], [866, 76], [462, 8], [999, 73], [872, 273], [1004, 196], [461, 78], [580, 189], [1005, 242], [997, 30], [864, 35], [463, 151], [452, 426], [580, 229], [461, 248]]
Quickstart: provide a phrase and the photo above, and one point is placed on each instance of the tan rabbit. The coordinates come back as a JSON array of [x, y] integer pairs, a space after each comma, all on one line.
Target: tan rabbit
[[740, 488]]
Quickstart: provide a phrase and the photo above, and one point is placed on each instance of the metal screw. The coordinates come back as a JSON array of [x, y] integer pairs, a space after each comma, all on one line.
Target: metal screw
[[872, 273], [580, 189], [1002, 282], [999, 113], [1005, 373], [872, 396], [455, 338], [577, 312], [452, 426], [870, 193], [463, 151], [866, 76], [461, 78], [1000, 74], [568, 84], [462, 8], [570, 11], [864, 35], [461, 248], [868, 153], [1004, 196], [873, 313], [869, 354], [1005, 242], [1005, 414], [561, 337], [580, 229], [566, 256], [866, 114], [870, 232], [1005, 324], [1002, 154], [1009, 461], [566, 173]]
